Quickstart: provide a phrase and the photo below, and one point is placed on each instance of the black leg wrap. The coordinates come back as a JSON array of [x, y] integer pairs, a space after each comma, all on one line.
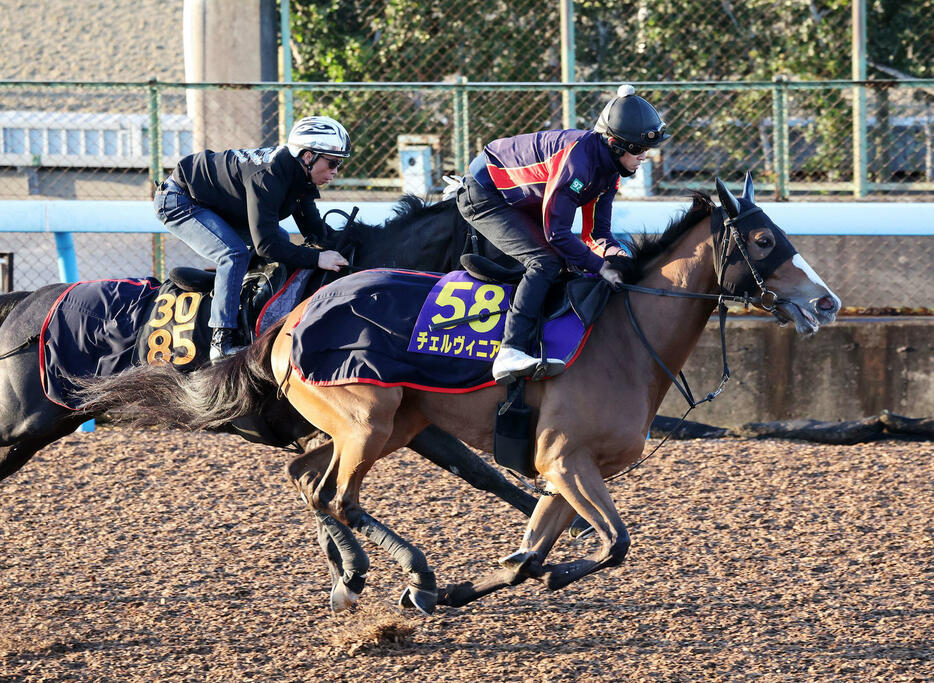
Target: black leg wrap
[[407, 555], [353, 558], [331, 553], [422, 591]]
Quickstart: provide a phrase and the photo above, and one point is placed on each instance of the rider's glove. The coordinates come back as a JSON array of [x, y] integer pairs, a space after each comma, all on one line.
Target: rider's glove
[[452, 185], [611, 275]]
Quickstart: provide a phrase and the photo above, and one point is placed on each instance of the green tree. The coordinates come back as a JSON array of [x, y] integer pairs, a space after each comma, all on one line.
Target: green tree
[[616, 41]]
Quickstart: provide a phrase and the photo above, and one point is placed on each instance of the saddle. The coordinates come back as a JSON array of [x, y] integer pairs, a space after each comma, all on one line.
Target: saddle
[[176, 327], [571, 291]]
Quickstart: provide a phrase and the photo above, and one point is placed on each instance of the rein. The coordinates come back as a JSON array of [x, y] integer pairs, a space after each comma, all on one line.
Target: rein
[[767, 299], [20, 347]]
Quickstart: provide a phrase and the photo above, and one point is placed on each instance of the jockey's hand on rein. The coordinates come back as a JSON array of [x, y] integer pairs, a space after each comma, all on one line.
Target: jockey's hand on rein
[[331, 260], [611, 275]]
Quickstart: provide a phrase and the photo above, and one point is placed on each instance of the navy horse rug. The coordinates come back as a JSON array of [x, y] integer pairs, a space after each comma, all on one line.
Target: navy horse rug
[[405, 328], [91, 329]]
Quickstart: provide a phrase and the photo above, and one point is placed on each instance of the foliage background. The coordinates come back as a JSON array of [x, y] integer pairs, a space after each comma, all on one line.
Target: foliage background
[[643, 40]]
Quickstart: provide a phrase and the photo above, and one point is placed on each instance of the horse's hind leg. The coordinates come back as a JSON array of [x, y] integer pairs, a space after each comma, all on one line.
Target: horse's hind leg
[[366, 424], [354, 457], [347, 561], [17, 451]]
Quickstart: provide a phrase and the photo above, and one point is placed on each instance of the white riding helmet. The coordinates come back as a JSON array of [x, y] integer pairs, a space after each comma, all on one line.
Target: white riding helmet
[[319, 134]]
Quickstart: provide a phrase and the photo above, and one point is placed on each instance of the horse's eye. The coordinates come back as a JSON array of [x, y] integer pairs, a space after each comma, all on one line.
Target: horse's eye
[[764, 241]]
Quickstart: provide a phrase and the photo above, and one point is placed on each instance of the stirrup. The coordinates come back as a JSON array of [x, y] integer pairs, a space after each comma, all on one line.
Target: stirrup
[[548, 368]]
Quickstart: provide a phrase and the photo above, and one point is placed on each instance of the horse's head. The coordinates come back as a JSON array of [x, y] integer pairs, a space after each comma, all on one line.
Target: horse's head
[[753, 254]]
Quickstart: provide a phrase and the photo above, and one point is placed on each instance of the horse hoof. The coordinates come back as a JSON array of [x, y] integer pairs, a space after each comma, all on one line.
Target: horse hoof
[[342, 598], [518, 562], [419, 598]]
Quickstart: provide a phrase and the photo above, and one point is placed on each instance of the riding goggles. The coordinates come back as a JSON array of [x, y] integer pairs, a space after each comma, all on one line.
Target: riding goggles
[[621, 147], [650, 138]]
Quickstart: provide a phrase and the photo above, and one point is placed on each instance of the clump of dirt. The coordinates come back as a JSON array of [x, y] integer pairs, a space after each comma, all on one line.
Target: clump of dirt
[[373, 629]]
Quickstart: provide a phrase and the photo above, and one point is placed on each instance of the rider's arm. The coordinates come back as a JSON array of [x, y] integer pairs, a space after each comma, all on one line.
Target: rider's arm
[[561, 200], [264, 196], [596, 231]]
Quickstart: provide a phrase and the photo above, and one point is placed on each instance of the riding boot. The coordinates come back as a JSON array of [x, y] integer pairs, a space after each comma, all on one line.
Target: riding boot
[[511, 363], [223, 343]]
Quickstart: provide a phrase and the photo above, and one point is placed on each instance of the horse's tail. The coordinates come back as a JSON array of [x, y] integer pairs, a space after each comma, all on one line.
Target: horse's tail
[[206, 398], [8, 303]]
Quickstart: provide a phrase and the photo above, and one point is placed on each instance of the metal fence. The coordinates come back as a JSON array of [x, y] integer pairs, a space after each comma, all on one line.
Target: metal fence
[[111, 141]]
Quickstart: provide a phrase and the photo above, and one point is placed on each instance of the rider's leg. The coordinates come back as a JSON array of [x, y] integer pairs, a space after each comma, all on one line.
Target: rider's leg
[[520, 235], [212, 238]]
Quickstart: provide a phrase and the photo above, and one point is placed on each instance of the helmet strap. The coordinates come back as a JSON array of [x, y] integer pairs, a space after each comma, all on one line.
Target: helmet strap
[[616, 152], [314, 160]]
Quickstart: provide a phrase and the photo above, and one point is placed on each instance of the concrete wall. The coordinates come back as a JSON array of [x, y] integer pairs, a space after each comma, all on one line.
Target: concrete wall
[[855, 368], [227, 42]]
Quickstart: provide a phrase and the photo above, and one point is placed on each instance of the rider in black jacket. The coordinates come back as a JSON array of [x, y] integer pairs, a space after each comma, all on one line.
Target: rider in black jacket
[[220, 203]]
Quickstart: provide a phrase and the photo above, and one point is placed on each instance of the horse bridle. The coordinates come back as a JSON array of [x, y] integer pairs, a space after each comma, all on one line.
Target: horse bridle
[[767, 299]]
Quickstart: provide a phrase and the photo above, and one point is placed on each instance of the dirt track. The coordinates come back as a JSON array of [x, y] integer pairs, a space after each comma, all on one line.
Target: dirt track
[[152, 555]]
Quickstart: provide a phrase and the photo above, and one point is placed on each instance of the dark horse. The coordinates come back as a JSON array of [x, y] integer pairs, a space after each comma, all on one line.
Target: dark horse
[[419, 237], [591, 422]]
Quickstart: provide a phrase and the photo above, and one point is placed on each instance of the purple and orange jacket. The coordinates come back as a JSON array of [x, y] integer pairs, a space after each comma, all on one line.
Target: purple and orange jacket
[[558, 171]]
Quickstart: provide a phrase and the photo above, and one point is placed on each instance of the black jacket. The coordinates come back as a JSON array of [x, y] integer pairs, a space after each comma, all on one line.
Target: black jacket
[[253, 189]]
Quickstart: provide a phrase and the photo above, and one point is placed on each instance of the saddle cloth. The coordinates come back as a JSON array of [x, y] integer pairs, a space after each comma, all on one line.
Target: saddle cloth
[[91, 329], [102, 327], [372, 328]]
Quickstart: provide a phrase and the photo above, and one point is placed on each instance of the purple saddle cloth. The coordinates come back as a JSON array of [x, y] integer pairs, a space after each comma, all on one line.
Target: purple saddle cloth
[[393, 328]]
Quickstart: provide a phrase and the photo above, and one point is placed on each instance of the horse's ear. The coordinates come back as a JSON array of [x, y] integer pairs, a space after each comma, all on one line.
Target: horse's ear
[[727, 200], [749, 192]]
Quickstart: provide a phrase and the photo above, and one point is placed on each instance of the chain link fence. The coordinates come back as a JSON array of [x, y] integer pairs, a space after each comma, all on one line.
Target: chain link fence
[[434, 80], [796, 137], [100, 147]]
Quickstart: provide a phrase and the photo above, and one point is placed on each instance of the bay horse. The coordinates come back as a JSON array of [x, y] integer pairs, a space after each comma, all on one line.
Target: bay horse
[[420, 236], [592, 420]]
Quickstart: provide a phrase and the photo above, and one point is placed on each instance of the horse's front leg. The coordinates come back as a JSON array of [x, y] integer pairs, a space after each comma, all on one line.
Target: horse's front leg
[[580, 482], [452, 455], [549, 519]]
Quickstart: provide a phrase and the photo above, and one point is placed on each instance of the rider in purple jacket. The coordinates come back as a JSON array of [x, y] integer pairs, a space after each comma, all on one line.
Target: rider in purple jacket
[[521, 193]]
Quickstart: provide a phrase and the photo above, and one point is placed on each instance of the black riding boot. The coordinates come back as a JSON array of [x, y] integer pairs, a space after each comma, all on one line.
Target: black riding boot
[[223, 343]]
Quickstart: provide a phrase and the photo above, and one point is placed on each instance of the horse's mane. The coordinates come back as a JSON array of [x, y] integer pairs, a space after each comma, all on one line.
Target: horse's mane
[[647, 246], [407, 210], [419, 235]]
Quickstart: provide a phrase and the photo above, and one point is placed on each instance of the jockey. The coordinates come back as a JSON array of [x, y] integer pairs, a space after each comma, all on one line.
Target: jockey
[[222, 203], [521, 193]]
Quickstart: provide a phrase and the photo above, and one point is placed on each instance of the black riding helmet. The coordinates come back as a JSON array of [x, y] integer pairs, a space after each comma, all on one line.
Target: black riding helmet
[[630, 124]]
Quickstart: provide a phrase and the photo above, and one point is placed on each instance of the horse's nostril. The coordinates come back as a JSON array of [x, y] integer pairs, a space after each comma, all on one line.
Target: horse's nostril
[[826, 304]]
